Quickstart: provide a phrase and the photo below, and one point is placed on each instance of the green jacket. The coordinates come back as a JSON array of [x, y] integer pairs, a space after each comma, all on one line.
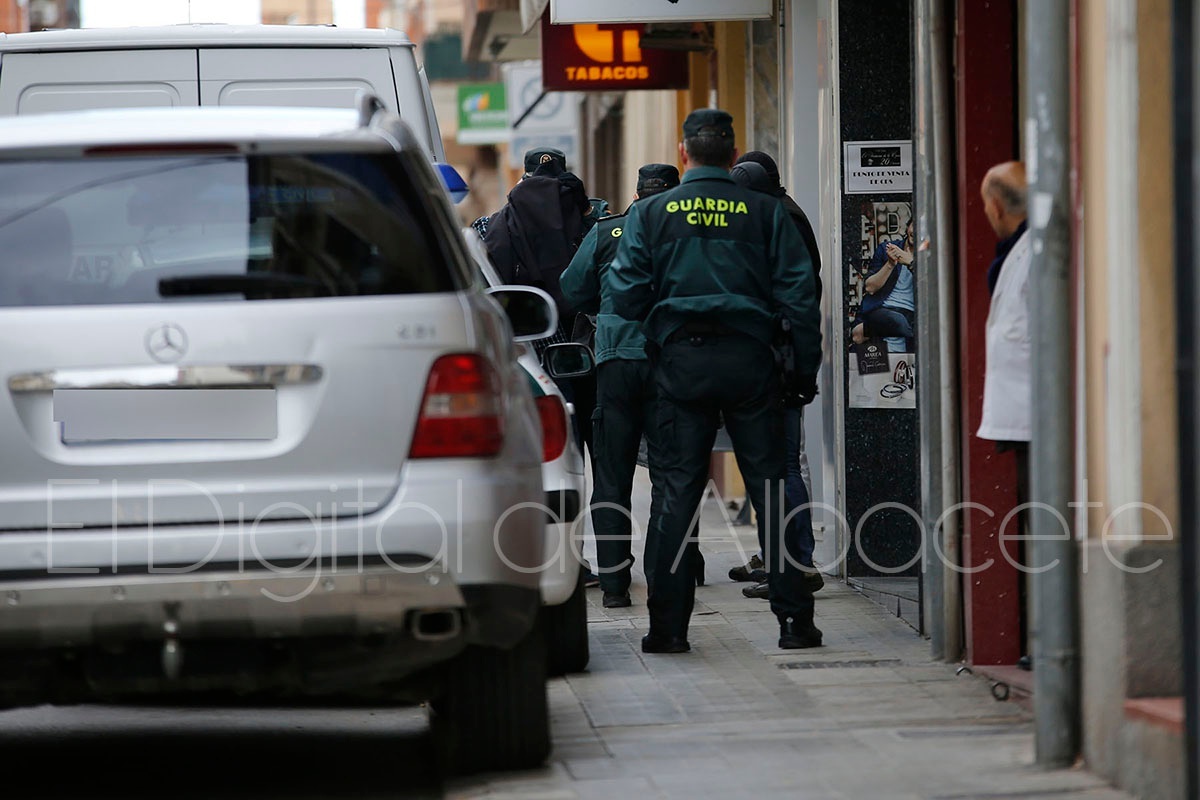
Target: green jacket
[[711, 250], [586, 287]]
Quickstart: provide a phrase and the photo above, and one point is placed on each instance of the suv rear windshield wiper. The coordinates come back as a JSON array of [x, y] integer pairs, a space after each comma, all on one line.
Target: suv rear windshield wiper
[[260, 285]]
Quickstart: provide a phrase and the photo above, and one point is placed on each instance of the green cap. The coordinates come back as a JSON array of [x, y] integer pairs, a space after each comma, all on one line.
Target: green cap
[[708, 122], [656, 178], [543, 155]]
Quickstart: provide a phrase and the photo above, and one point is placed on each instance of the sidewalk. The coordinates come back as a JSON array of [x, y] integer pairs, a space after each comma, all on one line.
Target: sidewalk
[[866, 717]]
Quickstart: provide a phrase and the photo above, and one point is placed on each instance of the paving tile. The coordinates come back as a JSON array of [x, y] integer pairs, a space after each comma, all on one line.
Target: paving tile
[[606, 768], [613, 789]]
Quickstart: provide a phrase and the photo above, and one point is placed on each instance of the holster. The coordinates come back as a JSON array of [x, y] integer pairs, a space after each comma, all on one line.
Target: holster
[[652, 351]]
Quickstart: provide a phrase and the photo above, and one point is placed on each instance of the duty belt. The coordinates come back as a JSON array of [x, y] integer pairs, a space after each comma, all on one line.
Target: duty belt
[[701, 330]]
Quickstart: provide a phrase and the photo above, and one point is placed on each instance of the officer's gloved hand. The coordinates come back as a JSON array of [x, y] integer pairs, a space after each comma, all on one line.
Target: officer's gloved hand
[[806, 388], [798, 391]]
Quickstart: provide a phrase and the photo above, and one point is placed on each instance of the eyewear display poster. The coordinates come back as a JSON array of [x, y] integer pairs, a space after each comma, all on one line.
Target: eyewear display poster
[[881, 290], [894, 387]]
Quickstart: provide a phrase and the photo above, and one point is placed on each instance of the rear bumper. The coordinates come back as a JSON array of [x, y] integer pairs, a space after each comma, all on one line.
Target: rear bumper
[[374, 603], [309, 633], [83, 610], [480, 522], [404, 598]]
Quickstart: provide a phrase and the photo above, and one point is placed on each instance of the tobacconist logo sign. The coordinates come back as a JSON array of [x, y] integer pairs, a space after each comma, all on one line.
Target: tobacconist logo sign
[[606, 58]]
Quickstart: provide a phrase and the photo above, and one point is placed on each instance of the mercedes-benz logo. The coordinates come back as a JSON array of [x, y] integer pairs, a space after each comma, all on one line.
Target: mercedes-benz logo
[[166, 343]]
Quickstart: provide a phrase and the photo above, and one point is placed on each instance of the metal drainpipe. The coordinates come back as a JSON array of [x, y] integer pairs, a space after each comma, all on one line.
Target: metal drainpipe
[[1055, 591], [1186, 30], [937, 400]]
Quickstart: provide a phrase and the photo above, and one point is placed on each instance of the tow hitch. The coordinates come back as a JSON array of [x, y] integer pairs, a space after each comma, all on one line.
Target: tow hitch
[[172, 652]]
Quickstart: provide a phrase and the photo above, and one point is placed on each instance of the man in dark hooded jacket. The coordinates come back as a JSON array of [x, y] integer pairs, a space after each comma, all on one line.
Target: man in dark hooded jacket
[[532, 239]]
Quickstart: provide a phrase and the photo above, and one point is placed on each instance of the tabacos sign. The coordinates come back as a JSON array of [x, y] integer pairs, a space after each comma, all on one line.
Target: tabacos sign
[[606, 58]]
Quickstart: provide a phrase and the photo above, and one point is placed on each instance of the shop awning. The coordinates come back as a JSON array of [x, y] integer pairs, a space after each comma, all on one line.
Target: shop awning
[[492, 31], [531, 13]]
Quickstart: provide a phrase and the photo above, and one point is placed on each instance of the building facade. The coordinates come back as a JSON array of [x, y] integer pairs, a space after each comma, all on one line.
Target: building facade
[[825, 84]]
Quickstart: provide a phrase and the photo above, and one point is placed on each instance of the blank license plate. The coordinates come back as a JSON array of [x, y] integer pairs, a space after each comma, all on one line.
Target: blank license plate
[[106, 415]]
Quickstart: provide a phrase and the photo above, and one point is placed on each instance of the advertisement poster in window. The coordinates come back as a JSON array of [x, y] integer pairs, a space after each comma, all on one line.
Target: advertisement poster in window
[[881, 290]]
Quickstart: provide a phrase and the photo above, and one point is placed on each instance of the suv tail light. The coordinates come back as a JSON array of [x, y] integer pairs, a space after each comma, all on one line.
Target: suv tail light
[[462, 410], [554, 426]]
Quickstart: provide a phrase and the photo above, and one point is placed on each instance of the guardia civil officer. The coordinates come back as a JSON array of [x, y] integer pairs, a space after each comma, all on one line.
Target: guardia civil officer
[[625, 397], [710, 268]]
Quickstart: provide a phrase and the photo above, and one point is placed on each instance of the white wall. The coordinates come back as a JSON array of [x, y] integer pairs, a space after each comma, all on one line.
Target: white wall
[[810, 162], [350, 13], [122, 13], [650, 137]]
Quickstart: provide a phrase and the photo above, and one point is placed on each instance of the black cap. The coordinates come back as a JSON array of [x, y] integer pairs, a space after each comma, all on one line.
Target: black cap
[[751, 175], [654, 178], [708, 122], [764, 161], [545, 155]]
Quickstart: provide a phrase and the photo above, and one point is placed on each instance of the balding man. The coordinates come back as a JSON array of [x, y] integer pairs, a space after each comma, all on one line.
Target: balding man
[[1006, 394], [1007, 387]]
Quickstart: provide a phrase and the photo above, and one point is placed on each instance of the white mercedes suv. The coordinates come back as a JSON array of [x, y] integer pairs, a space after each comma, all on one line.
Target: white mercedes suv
[[264, 429]]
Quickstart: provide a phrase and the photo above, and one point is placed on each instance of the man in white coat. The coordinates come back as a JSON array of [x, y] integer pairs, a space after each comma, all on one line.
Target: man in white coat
[[1007, 386]]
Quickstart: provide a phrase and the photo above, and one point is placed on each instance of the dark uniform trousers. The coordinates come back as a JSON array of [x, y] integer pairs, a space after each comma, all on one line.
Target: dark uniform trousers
[[625, 403], [625, 412], [701, 376]]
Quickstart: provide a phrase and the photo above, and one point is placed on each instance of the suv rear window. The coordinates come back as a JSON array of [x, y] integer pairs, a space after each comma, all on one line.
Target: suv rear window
[[216, 227]]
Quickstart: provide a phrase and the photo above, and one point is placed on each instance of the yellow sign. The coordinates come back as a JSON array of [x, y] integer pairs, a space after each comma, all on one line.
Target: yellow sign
[[606, 57], [707, 211]]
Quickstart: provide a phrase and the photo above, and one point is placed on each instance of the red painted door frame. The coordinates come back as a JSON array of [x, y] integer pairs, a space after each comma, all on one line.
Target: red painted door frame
[[986, 104]]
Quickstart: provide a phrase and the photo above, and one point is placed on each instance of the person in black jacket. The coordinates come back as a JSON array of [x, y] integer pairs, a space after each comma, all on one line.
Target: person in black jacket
[[773, 187], [756, 170], [532, 239], [625, 406]]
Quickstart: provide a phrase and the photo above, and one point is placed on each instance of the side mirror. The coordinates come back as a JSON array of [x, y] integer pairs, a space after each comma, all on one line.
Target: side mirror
[[531, 312], [568, 360]]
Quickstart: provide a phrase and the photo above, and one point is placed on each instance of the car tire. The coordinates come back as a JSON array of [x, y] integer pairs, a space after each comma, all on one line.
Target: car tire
[[493, 713], [565, 627]]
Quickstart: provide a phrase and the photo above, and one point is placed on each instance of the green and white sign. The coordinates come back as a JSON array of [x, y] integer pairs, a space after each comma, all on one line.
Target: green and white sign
[[482, 114]]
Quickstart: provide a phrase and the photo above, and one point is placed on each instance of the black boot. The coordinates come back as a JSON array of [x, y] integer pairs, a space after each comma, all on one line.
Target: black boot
[[655, 643], [746, 572], [762, 591], [796, 634]]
